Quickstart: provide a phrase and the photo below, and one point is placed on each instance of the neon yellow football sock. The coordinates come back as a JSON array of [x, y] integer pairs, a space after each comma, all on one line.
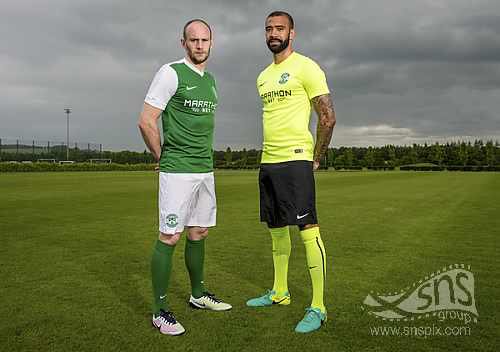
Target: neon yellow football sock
[[316, 261], [281, 252]]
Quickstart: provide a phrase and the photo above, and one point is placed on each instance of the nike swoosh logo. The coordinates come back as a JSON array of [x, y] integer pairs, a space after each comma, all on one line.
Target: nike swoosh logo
[[191, 88], [162, 297], [260, 85], [281, 300], [302, 216], [312, 267]]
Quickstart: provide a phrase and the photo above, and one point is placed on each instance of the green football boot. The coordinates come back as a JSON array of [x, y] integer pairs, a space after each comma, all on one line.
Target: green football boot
[[313, 319], [269, 299]]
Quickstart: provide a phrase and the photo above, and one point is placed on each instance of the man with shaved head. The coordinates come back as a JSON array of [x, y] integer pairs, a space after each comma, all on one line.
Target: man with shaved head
[[185, 96]]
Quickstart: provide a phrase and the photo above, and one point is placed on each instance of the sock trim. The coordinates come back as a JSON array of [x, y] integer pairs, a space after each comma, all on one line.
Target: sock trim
[[322, 259]]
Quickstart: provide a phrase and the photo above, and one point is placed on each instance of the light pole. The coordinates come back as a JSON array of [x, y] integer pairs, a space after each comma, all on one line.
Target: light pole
[[67, 111]]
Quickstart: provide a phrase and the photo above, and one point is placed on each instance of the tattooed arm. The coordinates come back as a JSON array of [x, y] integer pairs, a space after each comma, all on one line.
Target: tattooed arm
[[323, 105]]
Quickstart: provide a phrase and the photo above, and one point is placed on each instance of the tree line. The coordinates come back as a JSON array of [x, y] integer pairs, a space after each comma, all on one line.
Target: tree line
[[477, 153]]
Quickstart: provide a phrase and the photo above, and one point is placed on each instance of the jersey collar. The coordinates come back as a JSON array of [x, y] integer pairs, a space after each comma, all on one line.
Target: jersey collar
[[287, 59], [193, 67]]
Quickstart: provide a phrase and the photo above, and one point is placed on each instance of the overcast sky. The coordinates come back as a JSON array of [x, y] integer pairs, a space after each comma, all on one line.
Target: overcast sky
[[401, 71]]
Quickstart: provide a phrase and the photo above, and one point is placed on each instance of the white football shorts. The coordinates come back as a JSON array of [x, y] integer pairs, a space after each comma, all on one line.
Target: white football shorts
[[186, 199]]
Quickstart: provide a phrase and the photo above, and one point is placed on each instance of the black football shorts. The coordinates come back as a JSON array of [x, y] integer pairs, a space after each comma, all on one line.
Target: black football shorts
[[287, 194]]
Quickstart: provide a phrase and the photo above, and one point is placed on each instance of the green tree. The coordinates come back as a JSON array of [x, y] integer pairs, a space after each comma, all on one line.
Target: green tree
[[228, 156], [348, 157], [463, 153], [339, 162], [478, 155], [244, 158], [391, 151], [437, 154], [331, 156], [412, 154], [490, 153], [369, 157]]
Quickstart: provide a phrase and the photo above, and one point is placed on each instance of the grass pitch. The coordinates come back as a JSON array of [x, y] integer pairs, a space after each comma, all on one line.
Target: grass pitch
[[76, 248]]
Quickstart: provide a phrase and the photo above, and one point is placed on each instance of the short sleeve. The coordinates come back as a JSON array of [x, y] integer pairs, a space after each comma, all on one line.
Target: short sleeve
[[314, 80], [162, 88], [258, 82]]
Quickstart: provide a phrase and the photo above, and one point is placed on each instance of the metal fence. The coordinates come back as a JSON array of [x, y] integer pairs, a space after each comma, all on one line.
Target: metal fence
[[32, 150]]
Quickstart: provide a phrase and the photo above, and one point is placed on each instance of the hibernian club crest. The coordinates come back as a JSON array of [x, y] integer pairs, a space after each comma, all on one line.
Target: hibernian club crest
[[284, 78], [171, 220]]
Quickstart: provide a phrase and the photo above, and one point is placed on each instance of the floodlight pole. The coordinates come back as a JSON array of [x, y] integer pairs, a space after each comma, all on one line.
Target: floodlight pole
[[67, 111]]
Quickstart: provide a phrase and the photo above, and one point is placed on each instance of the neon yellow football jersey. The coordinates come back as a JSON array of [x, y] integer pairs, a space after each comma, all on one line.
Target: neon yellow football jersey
[[286, 91]]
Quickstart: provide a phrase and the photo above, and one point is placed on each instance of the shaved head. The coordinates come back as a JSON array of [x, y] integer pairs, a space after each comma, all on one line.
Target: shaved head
[[196, 20]]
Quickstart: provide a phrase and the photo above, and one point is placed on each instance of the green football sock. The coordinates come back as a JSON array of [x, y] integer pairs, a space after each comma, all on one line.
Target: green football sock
[[316, 261], [194, 257], [281, 253], [161, 267]]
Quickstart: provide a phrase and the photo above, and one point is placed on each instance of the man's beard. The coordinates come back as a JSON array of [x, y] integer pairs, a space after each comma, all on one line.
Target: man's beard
[[196, 61], [278, 49]]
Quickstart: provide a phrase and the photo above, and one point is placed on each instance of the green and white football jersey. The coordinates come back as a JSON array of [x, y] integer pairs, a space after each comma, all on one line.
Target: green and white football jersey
[[188, 98]]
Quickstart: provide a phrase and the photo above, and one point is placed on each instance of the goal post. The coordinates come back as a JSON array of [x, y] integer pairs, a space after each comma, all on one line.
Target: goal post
[[100, 161]]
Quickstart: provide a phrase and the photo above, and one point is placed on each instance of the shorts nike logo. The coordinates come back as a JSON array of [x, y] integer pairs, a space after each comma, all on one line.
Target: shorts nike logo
[[191, 88], [162, 297], [302, 216], [312, 267]]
